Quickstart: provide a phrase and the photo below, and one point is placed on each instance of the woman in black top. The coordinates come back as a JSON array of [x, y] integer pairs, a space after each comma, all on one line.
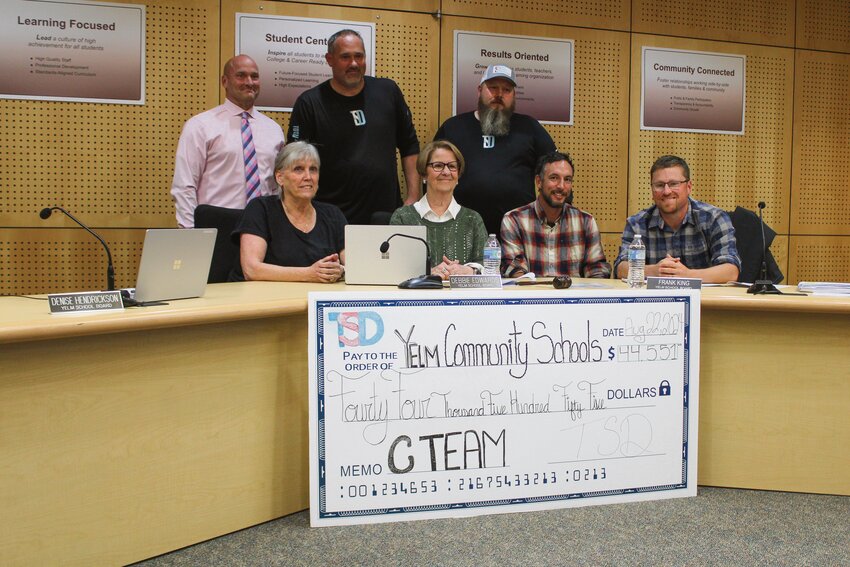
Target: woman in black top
[[291, 238]]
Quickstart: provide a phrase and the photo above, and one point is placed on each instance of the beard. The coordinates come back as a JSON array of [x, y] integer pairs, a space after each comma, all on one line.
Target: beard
[[495, 121], [550, 200]]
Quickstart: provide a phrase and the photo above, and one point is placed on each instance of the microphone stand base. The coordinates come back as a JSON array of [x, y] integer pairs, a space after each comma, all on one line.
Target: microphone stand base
[[763, 287]]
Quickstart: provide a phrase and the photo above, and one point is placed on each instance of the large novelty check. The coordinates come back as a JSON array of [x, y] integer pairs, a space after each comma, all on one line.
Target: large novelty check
[[426, 405]]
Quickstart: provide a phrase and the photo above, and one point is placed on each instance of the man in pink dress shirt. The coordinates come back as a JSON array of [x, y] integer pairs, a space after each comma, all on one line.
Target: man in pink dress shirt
[[210, 165]]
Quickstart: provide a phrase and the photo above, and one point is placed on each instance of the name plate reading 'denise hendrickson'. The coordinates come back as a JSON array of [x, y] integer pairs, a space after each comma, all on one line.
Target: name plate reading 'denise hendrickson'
[[85, 302], [483, 401]]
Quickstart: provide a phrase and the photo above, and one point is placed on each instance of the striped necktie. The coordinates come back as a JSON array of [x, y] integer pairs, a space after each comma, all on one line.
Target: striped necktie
[[252, 175]]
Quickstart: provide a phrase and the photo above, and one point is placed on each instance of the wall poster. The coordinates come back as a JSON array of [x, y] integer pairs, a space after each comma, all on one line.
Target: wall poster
[[692, 91], [72, 51], [543, 67], [290, 53]]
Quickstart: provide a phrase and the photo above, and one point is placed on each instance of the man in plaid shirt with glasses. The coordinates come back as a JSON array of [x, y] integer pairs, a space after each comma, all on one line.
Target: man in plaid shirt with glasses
[[684, 237], [549, 236]]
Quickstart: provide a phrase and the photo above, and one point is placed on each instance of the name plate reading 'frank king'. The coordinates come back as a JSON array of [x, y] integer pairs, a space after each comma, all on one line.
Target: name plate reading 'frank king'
[[482, 402]]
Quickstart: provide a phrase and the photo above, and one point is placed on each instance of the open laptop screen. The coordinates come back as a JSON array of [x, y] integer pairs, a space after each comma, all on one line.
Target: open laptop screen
[[175, 263]]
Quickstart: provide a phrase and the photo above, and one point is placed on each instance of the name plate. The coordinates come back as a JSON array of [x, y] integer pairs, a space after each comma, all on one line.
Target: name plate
[[655, 282], [483, 402], [476, 281], [85, 302]]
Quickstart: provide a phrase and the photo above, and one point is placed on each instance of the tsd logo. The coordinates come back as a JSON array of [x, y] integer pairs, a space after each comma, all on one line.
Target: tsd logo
[[357, 328], [489, 142], [359, 117]]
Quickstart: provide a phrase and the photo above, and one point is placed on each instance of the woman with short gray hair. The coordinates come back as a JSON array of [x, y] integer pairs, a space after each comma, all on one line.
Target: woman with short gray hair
[[291, 237]]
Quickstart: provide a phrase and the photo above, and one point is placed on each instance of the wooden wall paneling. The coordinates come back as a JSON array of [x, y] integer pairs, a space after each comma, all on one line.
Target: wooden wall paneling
[[109, 164], [112, 164], [727, 170], [397, 5], [611, 245], [767, 22], [819, 259], [820, 183], [604, 14], [406, 51], [823, 25], [598, 139], [35, 260], [779, 249]]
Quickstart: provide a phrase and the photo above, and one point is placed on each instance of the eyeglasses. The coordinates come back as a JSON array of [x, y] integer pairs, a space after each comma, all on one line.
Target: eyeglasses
[[673, 185], [439, 166]]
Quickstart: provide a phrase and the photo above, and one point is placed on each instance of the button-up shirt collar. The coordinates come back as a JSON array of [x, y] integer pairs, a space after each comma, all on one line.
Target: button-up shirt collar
[[424, 209]]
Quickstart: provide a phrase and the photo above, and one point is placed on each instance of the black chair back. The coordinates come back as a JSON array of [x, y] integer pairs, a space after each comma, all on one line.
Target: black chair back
[[380, 217], [226, 252], [748, 239]]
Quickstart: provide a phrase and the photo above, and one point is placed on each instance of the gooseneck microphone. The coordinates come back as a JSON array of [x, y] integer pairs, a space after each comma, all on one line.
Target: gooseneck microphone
[[385, 245], [763, 285], [110, 270]]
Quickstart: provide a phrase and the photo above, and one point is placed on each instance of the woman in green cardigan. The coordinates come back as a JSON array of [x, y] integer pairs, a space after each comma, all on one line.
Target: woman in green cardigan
[[456, 235]]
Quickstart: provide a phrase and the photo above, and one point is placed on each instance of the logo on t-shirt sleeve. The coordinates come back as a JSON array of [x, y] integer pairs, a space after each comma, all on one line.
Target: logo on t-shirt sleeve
[[296, 132], [489, 142], [359, 117]]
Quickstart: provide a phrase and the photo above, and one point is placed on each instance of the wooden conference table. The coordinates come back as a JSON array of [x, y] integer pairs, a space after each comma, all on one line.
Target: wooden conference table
[[124, 436]]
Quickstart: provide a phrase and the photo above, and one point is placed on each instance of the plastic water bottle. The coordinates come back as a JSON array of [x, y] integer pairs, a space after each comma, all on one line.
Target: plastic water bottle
[[637, 261], [492, 256]]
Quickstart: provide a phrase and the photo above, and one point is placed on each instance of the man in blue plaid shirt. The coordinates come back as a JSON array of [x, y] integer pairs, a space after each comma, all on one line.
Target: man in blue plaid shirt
[[549, 236], [684, 237]]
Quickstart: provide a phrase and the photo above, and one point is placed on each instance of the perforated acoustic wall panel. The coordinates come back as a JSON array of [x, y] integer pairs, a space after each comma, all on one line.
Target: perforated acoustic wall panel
[[820, 191], [110, 165], [727, 170], [767, 22], [406, 50], [824, 25], [605, 14], [611, 246], [819, 258], [403, 5], [65, 259], [598, 139]]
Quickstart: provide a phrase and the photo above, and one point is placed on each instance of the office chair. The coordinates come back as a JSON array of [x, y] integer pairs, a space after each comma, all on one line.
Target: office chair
[[226, 251], [748, 238], [380, 217]]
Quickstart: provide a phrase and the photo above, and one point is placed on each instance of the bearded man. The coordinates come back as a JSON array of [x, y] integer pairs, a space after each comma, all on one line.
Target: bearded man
[[549, 236], [501, 149]]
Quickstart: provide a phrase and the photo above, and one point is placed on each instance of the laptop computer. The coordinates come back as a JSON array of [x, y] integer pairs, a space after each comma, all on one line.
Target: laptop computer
[[175, 263], [366, 264]]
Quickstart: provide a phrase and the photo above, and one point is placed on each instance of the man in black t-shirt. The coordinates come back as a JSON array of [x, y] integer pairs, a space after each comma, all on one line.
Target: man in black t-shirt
[[501, 149], [357, 122]]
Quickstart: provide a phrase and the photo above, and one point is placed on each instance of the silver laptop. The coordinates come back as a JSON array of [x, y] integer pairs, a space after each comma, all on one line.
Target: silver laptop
[[366, 264], [175, 263]]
